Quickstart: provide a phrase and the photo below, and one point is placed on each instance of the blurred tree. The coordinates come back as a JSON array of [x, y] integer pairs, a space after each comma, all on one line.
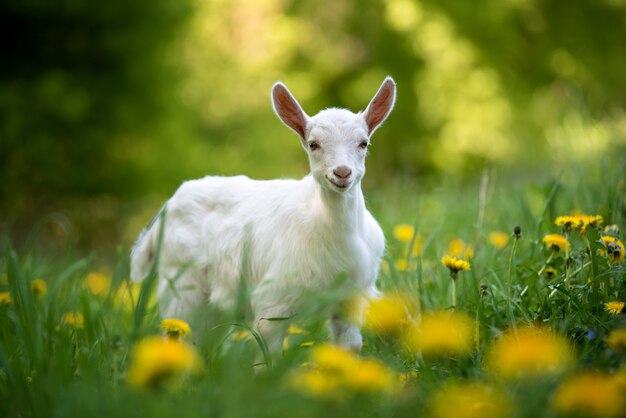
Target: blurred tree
[[75, 78]]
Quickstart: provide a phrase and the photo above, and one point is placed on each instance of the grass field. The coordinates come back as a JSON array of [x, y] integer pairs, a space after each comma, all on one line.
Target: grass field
[[530, 325]]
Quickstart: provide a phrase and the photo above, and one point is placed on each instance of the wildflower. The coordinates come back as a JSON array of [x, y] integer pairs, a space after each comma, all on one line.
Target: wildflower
[[459, 248], [550, 272], [337, 369], [404, 233], [389, 313], [556, 242], [568, 222], [590, 394], [159, 362], [175, 328], [370, 375], [454, 265], [517, 231], [529, 352], [407, 377], [39, 287], [5, 298], [73, 319], [614, 307], [97, 283], [617, 339], [614, 249], [441, 333], [242, 335], [315, 383], [498, 239], [470, 400]]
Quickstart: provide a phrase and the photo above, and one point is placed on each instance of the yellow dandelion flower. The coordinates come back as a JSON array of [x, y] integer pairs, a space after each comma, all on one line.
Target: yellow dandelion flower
[[404, 233], [97, 283], [241, 335], [441, 333], [614, 307], [158, 362], [454, 264], [459, 248], [73, 319], [315, 383], [332, 357], [550, 272], [470, 400], [529, 352], [591, 395], [498, 239], [568, 222], [407, 377], [370, 375], [175, 328], [39, 287], [556, 242], [614, 249], [617, 339], [5, 298], [389, 313]]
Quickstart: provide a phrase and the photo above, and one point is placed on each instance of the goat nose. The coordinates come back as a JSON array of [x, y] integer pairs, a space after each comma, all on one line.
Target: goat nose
[[342, 172]]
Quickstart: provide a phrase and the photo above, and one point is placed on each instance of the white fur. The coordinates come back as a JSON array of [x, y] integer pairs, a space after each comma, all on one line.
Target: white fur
[[281, 237]]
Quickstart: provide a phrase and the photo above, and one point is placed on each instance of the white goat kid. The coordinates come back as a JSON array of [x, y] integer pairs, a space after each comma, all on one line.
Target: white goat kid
[[282, 238]]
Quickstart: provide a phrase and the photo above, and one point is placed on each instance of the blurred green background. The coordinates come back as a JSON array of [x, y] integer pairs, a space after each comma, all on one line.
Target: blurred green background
[[106, 107]]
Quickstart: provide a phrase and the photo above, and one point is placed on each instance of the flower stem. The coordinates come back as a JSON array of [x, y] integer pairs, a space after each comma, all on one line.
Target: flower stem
[[453, 292]]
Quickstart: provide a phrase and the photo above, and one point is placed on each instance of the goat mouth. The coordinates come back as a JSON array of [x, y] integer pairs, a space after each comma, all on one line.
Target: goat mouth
[[341, 185]]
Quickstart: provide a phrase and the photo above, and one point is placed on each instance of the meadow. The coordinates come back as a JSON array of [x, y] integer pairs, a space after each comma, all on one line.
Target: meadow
[[502, 297]]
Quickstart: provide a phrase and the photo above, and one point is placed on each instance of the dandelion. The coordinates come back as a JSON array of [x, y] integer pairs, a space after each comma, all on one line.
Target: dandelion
[[97, 283], [441, 333], [5, 298], [498, 239], [470, 400], [590, 394], [529, 352], [73, 319], [568, 222], [459, 248], [614, 308], [404, 233], [556, 242], [614, 249], [337, 370], [617, 339], [454, 265], [39, 287], [389, 313], [550, 272], [407, 377], [175, 328], [315, 383], [162, 362]]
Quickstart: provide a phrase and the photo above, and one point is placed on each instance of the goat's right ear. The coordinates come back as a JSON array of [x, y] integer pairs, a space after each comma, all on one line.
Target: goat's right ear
[[288, 109]]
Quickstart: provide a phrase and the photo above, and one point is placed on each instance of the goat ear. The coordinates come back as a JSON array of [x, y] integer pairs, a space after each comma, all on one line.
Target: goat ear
[[288, 109], [381, 105]]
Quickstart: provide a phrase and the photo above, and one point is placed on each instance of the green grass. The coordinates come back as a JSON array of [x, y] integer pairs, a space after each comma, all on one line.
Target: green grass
[[51, 369]]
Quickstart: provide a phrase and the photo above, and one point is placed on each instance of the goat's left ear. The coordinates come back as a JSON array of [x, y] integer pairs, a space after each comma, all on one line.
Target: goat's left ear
[[381, 105]]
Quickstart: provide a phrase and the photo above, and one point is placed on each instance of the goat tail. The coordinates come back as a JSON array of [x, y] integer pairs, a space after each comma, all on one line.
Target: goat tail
[[145, 251]]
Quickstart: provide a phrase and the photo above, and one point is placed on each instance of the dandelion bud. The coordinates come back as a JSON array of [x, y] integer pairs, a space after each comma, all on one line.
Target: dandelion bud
[[483, 290], [518, 232]]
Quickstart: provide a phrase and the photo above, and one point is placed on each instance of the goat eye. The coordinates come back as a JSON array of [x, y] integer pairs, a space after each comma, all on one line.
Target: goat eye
[[363, 144], [313, 146]]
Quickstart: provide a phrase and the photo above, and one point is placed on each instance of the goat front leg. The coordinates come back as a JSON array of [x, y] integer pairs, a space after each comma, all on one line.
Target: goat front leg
[[345, 326]]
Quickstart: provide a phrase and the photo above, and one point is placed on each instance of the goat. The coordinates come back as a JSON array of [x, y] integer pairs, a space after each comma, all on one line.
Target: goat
[[282, 238]]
